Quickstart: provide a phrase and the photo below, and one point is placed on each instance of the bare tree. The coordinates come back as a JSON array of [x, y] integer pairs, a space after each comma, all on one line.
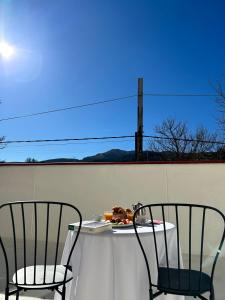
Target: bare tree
[[2, 144], [203, 141], [171, 137], [31, 160], [2, 138], [221, 107], [174, 137]]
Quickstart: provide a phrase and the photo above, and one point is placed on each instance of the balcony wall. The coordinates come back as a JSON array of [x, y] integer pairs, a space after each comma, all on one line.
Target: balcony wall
[[94, 188], [97, 187]]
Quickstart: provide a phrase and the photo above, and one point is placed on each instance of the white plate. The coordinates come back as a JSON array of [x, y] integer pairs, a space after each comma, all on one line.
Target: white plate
[[122, 226]]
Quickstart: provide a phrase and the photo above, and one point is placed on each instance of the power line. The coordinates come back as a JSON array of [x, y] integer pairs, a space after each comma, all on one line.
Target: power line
[[66, 139], [66, 108], [107, 138], [179, 95], [75, 143], [184, 140], [105, 101]]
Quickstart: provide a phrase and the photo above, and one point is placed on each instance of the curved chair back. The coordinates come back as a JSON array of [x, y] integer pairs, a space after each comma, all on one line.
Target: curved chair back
[[33, 234], [185, 253]]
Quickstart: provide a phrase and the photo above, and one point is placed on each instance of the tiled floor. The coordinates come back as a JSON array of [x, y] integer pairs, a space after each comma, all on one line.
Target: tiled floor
[[219, 284], [21, 298], [34, 295]]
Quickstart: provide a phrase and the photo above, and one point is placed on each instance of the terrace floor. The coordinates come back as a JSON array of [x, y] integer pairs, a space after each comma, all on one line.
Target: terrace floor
[[219, 283]]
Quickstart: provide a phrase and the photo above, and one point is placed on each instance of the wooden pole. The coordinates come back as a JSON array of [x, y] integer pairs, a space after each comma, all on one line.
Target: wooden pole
[[139, 132]]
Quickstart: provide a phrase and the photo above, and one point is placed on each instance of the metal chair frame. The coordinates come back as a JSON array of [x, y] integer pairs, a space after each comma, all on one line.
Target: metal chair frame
[[54, 285], [171, 271]]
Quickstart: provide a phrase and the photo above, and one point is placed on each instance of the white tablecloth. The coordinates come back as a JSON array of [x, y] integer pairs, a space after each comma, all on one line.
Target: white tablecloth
[[110, 265]]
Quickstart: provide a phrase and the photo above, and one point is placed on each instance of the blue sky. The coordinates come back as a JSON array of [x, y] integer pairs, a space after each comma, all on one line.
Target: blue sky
[[75, 52]]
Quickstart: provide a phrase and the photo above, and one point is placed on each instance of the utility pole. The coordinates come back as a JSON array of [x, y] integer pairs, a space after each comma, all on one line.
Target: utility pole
[[139, 132]]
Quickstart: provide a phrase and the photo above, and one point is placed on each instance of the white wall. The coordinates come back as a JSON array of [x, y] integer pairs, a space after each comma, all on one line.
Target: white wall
[[94, 188], [97, 187]]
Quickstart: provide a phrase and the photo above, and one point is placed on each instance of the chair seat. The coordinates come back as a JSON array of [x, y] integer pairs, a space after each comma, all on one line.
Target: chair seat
[[39, 277], [179, 282]]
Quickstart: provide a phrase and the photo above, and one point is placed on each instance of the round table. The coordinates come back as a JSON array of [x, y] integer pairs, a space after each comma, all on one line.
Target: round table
[[111, 266]]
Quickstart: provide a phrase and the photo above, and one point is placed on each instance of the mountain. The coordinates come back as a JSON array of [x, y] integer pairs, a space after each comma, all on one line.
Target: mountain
[[60, 160], [117, 155], [114, 155]]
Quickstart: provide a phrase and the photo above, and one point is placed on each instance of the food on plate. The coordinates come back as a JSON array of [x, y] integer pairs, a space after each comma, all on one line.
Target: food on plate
[[118, 213], [121, 222], [130, 214], [121, 216]]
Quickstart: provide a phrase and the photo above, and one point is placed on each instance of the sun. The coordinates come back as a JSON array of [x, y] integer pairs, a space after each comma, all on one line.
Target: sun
[[7, 51]]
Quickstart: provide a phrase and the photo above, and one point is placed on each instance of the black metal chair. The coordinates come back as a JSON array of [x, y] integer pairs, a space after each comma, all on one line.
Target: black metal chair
[[199, 232], [32, 238]]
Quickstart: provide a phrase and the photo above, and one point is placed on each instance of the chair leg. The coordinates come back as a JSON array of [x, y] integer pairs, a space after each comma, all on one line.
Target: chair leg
[[64, 292], [6, 294], [150, 294], [212, 295], [17, 295]]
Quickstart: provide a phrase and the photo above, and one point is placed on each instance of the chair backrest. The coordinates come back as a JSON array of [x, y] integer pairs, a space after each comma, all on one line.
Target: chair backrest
[[193, 243], [33, 233]]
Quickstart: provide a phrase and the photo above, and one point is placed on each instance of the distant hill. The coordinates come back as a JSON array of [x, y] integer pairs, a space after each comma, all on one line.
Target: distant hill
[[117, 155], [60, 160], [113, 155]]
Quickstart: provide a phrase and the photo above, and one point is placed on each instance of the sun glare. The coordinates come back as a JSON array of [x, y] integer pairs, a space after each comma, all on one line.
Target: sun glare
[[6, 51]]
